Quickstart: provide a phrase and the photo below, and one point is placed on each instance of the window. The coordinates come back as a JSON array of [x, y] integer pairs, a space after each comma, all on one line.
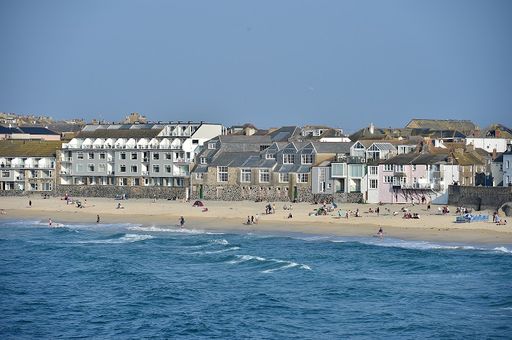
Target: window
[[388, 179], [307, 159], [5, 174], [133, 168], [202, 160], [264, 175], [211, 146], [199, 175], [508, 164], [388, 167], [373, 170], [195, 141], [288, 159], [134, 155], [270, 156], [222, 174], [399, 168], [102, 155], [245, 175], [284, 177], [101, 167], [373, 184], [355, 170], [122, 168], [90, 167], [264, 147], [168, 156], [168, 169], [90, 155], [302, 178], [80, 155], [337, 170], [79, 167], [122, 155], [156, 168], [156, 156]]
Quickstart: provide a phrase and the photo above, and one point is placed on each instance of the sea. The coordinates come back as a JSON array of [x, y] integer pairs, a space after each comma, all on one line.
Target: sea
[[124, 281]]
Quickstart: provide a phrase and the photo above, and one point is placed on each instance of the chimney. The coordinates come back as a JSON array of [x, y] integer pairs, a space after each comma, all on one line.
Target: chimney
[[494, 153], [372, 128]]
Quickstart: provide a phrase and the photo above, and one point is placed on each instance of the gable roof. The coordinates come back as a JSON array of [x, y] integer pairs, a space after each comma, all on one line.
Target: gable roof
[[442, 124], [37, 130]]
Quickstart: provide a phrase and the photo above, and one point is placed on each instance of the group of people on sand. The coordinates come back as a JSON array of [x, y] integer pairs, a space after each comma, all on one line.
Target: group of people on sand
[[270, 209], [252, 220], [409, 215]]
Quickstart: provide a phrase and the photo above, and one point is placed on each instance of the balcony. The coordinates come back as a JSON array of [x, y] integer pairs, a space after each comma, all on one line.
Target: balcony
[[399, 174]]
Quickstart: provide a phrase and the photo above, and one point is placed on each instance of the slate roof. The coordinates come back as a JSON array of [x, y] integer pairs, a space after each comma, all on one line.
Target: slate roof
[[37, 130], [9, 130], [29, 148], [385, 146], [415, 158], [332, 147], [232, 159], [119, 133], [442, 124]]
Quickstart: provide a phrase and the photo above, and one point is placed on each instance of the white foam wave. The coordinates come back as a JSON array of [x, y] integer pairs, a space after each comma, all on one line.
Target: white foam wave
[[244, 258], [172, 230], [221, 242], [287, 264], [217, 251], [127, 238], [503, 250]]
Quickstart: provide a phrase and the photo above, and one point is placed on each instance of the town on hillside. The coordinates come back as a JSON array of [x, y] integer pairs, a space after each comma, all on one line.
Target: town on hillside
[[416, 163]]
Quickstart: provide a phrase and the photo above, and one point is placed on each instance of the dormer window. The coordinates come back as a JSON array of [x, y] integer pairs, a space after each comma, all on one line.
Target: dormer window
[[211, 146], [307, 159], [270, 156], [202, 160]]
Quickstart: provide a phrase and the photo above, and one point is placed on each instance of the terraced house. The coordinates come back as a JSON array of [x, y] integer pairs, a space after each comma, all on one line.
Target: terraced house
[[134, 155], [258, 168], [28, 165]]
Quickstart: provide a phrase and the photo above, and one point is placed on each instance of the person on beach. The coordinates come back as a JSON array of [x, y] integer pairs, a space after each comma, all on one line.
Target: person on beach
[[30, 203], [50, 222], [248, 220], [97, 218], [252, 219], [380, 233], [182, 221], [290, 215]]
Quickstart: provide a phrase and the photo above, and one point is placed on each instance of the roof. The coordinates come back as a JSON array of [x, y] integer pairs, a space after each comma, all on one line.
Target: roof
[[119, 133], [417, 158], [232, 159], [29, 148], [9, 130], [284, 133], [332, 147], [37, 130], [442, 124]]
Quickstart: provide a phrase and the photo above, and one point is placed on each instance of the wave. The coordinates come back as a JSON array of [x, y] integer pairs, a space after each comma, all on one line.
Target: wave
[[418, 245], [503, 250], [124, 238], [286, 264], [173, 230], [216, 251]]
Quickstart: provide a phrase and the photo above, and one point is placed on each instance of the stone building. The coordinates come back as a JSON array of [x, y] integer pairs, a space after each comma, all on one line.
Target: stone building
[[27, 165]]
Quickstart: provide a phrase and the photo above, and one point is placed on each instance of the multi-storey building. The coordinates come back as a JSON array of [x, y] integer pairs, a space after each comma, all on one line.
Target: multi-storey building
[[27, 165], [409, 177], [507, 166], [134, 154]]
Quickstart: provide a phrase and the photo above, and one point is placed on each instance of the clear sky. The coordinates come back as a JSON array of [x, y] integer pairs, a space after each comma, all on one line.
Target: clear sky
[[276, 62]]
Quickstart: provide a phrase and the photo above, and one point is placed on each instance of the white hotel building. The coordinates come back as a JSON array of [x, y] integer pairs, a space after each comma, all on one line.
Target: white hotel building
[[134, 154]]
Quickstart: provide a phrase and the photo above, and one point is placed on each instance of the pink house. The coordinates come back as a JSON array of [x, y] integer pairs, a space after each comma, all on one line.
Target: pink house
[[409, 177]]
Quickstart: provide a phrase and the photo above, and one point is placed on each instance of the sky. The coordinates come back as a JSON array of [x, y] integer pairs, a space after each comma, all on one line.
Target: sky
[[340, 63]]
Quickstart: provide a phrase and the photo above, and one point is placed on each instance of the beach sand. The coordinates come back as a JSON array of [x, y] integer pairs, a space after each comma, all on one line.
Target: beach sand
[[231, 216]]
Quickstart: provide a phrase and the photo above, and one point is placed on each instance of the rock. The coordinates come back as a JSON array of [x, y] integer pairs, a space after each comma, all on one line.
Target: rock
[[507, 208]]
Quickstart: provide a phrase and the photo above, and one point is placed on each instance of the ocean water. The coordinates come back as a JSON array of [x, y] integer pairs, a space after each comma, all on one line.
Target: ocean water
[[132, 282]]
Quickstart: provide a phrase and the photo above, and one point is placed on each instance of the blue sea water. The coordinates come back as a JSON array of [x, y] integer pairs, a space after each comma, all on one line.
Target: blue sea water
[[132, 282]]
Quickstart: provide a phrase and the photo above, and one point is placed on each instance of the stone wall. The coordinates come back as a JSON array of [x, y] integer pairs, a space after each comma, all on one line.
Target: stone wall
[[273, 194], [479, 197], [113, 190]]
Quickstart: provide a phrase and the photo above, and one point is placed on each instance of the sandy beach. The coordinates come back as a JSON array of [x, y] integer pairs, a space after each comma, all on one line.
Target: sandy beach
[[231, 216]]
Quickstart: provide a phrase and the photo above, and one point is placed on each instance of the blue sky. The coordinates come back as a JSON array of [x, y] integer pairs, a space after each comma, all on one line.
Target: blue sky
[[340, 63]]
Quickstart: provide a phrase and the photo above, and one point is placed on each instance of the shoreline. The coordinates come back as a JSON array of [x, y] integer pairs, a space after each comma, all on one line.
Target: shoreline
[[231, 216]]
